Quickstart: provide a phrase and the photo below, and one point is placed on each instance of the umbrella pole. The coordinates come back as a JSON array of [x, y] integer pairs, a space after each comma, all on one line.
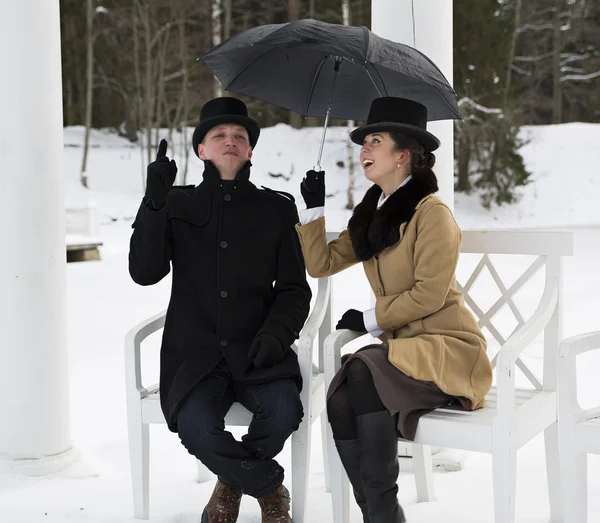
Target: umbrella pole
[[336, 68]]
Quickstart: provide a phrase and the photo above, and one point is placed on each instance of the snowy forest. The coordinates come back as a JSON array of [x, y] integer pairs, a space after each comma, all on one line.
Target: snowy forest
[[133, 65]]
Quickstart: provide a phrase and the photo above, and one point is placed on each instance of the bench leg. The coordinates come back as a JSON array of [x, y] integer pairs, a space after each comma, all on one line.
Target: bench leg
[[300, 468], [423, 472], [553, 473], [324, 425], [573, 472], [504, 470], [140, 466], [339, 483], [204, 474]]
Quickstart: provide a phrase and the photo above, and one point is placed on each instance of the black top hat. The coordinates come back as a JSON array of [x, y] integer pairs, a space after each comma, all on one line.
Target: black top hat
[[397, 115], [225, 110]]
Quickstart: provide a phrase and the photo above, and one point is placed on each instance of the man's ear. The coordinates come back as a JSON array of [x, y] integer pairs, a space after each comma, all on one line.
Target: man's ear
[[249, 153], [201, 154]]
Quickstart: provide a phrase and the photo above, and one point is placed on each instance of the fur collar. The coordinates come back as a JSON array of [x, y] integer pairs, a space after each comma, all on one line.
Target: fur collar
[[372, 230]]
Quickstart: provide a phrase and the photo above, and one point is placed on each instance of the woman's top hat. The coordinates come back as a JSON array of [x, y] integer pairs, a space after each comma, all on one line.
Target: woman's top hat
[[397, 115]]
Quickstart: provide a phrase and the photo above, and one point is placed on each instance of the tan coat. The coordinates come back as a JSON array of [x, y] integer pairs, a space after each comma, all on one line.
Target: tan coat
[[431, 334]]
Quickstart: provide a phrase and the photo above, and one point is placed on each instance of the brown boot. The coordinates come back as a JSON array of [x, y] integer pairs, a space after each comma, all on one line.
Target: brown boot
[[224, 504], [275, 506]]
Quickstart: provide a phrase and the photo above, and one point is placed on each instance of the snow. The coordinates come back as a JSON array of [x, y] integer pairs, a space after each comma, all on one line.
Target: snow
[[103, 304]]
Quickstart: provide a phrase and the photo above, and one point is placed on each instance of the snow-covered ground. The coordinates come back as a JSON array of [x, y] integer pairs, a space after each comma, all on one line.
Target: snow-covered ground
[[103, 303]]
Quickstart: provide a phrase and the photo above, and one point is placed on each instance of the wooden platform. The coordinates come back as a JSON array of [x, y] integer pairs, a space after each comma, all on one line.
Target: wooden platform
[[80, 248]]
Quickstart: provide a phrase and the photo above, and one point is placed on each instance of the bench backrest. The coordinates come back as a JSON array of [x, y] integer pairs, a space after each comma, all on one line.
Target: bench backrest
[[496, 266], [529, 260]]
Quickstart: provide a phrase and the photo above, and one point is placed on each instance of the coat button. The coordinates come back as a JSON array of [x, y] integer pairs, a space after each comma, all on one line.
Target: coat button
[[227, 197], [223, 294], [223, 343], [223, 245]]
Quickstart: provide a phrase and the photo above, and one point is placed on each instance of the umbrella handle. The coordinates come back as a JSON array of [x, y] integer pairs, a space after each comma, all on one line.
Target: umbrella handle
[[336, 68]]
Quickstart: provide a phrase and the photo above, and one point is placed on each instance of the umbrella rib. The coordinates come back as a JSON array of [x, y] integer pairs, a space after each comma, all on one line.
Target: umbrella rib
[[247, 65], [314, 83], [446, 101], [382, 83]]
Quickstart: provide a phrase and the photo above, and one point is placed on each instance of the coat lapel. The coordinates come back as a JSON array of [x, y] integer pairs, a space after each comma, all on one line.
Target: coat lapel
[[372, 230]]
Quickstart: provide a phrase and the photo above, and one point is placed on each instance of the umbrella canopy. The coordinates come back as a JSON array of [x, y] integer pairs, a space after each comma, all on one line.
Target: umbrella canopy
[[321, 69]]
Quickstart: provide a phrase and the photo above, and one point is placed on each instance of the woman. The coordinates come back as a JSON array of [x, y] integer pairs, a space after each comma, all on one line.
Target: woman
[[433, 352]]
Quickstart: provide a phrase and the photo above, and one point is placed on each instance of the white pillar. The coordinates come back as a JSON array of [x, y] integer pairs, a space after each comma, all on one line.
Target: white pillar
[[432, 35], [34, 392]]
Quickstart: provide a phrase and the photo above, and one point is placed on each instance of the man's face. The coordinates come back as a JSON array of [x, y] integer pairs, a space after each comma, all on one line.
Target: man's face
[[227, 146]]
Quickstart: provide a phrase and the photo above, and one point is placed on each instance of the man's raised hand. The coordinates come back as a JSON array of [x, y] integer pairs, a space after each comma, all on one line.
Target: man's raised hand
[[160, 177]]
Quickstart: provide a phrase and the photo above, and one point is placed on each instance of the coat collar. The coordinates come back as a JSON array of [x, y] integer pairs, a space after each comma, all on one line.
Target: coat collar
[[372, 230], [212, 180]]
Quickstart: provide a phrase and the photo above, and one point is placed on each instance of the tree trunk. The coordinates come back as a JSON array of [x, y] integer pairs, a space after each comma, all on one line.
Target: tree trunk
[[295, 118], [557, 90], [346, 17], [89, 95], [139, 109], [227, 25], [464, 160], [216, 38], [511, 56]]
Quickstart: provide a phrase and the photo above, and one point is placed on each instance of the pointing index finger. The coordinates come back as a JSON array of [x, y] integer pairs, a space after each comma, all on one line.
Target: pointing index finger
[[162, 149]]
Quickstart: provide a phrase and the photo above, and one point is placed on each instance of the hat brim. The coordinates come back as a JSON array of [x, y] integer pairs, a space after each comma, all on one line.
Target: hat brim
[[245, 121], [428, 140]]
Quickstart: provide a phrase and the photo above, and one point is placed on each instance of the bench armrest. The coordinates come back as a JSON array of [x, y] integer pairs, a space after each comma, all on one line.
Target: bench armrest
[[568, 351], [133, 343], [509, 353], [332, 351]]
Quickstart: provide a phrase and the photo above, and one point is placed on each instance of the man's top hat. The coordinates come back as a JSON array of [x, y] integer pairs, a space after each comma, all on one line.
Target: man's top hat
[[224, 110]]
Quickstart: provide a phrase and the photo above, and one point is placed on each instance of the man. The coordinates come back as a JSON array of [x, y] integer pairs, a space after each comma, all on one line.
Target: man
[[238, 301]]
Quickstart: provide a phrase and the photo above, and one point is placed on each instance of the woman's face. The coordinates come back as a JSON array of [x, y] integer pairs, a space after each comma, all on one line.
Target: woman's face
[[380, 157]]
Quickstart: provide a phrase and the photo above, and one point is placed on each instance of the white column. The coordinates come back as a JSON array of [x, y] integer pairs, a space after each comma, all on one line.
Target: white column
[[426, 25], [432, 35], [34, 392]]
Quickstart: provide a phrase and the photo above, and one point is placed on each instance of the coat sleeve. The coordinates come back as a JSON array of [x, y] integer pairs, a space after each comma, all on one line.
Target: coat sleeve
[[322, 258], [291, 306], [150, 246], [437, 248]]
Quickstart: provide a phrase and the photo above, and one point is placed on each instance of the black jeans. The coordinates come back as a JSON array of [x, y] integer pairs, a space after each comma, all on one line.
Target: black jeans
[[248, 464]]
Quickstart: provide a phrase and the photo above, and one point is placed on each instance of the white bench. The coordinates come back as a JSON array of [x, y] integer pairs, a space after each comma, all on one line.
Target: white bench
[[513, 416], [82, 233], [579, 429], [143, 405]]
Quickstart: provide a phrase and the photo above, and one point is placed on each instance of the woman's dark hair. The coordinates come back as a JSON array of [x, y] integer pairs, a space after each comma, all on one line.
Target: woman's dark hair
[[421, 160]]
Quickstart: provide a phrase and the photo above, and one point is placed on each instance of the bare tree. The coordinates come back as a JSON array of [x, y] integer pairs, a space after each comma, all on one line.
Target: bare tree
[[349, 147], [295, 118], [557, 91], [227, 25], [513, 47], [216, 36], [89, 96]]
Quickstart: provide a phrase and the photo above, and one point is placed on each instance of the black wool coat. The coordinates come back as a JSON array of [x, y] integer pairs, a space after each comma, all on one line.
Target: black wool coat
[[238, 271]]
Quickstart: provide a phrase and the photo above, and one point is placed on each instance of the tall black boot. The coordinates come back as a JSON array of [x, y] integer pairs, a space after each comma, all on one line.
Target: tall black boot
[[378, 443], [348, 450]]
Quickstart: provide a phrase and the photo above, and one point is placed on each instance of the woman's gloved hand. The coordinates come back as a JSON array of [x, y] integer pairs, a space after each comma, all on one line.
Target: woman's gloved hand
[[352, 320], [313, 189]]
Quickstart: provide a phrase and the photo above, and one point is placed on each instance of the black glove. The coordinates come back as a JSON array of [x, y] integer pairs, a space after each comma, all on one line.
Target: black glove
[[160, 177], [313, 189], [353, 320], [266, 350]]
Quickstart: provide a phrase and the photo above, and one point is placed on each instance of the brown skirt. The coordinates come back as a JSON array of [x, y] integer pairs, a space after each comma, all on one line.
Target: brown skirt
[[400, 394]]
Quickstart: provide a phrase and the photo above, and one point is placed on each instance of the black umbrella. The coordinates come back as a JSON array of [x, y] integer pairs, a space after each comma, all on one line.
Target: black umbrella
[[321, 69]]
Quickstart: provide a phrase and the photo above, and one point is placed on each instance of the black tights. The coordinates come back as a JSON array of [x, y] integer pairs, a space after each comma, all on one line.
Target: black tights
[[356, 395]]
